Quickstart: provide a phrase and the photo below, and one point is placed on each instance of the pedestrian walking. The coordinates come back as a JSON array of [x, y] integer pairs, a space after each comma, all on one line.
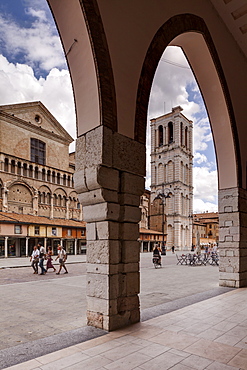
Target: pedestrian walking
[[173, 249], [49, 258], [62, 256], [35, 259], [42, 259]]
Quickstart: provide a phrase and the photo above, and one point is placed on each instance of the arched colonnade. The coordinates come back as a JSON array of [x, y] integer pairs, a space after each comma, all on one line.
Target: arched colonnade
[[113, 49]]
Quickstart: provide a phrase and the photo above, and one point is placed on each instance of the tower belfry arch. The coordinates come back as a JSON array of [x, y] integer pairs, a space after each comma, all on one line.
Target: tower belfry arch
[[171, 168]]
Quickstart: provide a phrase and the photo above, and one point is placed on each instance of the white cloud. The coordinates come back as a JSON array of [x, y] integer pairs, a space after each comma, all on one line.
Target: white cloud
[[200, 158], [18, 85], [169, 85], [205, 184], [39, 44], [202, 134], [199, 206]]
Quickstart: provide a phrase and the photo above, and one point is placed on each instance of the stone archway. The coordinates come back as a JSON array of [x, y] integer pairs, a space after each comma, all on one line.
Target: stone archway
[[110, 165], [191, 34]]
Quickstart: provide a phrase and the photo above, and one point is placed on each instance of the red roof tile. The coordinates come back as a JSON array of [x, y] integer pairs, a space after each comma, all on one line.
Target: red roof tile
[[30, 219]]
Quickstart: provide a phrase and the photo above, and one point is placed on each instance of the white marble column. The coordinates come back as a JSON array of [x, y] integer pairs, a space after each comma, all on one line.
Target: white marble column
[[6, 246], [27, 238]]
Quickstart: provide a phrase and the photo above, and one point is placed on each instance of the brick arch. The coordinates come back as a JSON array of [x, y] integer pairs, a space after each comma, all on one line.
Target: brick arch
[[60, 191], [176, 26], [20, 192], [10, 184]]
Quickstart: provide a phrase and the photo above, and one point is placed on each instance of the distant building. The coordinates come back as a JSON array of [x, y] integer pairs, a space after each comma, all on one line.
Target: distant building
[[207, 224], [171, 175], [36, 180]]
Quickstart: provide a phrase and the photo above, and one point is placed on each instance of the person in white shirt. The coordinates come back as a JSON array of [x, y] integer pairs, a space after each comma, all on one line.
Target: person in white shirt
[[41, 259], [62, 258], [35, 259]]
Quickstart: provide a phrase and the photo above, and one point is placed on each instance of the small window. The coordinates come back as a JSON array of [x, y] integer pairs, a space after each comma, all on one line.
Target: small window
[[36, 230], [69, 232], [6, 165], [161, 135], [83, 232], [37, 118], [18, 229], [20, 210], [54, 231], [170, 132]]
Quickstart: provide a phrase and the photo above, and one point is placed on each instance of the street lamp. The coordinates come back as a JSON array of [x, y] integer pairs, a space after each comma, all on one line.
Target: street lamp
[[163, 197]]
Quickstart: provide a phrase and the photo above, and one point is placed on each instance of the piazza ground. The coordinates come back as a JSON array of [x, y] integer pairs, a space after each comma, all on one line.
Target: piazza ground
[[34, 306]]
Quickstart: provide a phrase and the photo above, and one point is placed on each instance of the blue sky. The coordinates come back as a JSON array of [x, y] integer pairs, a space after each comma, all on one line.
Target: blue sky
[[33, 67]]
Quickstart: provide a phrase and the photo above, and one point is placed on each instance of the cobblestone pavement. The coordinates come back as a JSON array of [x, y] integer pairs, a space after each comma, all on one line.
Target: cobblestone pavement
[[34, 306]]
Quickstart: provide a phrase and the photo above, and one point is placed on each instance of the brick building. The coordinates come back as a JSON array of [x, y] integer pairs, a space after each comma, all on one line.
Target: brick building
[[207, 224], [36, 180]]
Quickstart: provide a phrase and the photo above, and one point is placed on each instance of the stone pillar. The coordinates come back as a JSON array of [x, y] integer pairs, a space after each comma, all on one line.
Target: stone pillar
[[67, 209], [5, 198], [52, 209], [75, 247], [6, 246], [233, 237], [109, 180], [35, 203], [45, 243]]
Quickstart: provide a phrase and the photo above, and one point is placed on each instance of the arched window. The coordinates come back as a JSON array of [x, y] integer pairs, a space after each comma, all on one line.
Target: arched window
[[19, 168], [64, 201], [43, 174], [12, 168], [186, 137], [48, 175], [161, 135], [55, 199], [181, 133], [24, 169], [39, 197], [170, 132], [59, 200], [6, 165], [43, 197], [68, 180], [170, 171], [36, 172], [30, 171], [53, 176], [58, 178], [64, 180], [48, 198], [160, 173]]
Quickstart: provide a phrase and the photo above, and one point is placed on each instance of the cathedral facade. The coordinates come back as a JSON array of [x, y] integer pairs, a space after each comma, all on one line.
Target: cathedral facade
[[36, 183], [171, 178]]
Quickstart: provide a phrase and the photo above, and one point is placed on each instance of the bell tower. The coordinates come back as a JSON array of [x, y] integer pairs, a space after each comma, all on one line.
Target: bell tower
[[171, 177]]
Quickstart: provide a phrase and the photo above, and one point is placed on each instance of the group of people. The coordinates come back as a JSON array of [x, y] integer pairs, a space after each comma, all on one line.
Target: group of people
[[39, 256]]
